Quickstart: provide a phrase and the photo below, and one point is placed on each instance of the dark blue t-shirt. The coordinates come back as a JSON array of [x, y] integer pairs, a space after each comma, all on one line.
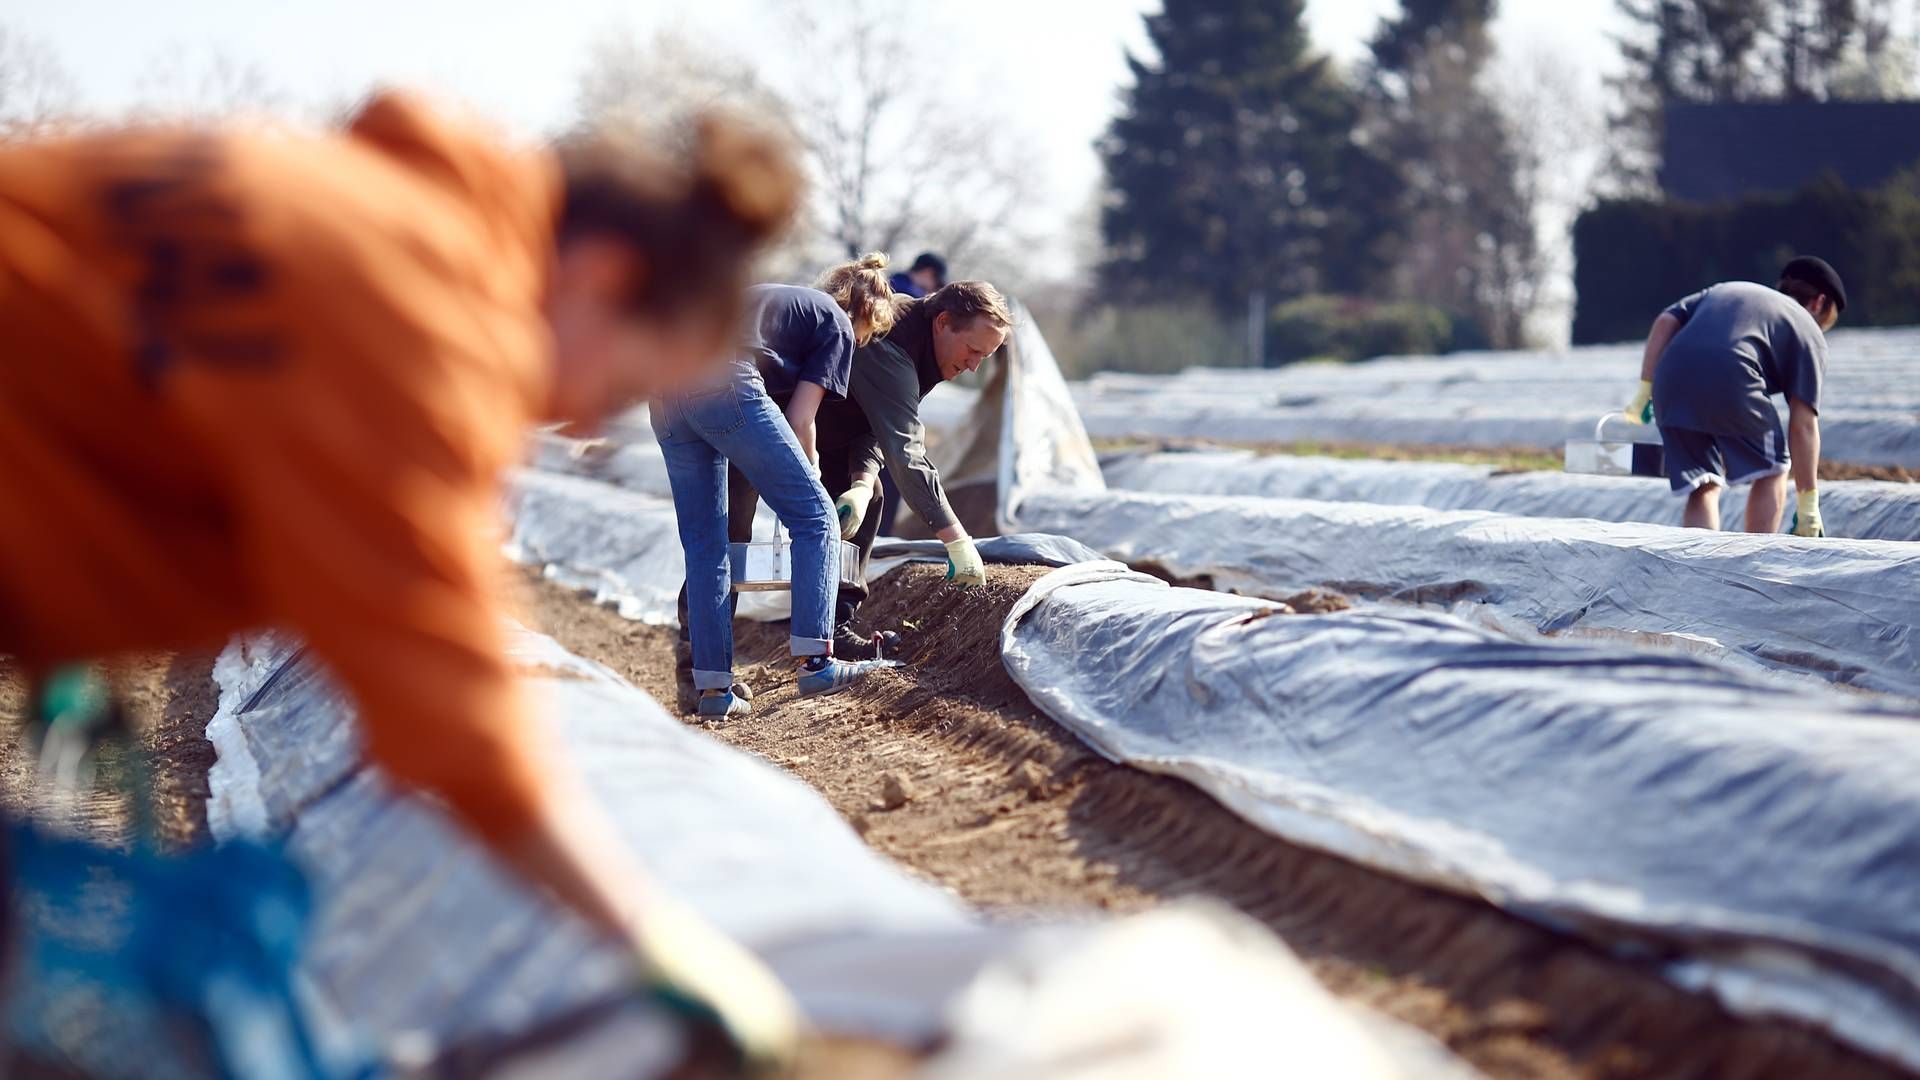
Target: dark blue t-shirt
[[797, 335], [1740, 344]]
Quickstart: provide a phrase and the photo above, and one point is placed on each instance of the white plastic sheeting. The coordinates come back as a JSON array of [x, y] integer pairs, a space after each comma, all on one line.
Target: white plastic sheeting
[[1862, 510], [1841, 610], [634, 463], [425, 946], [1023, 432], [1070, 1009], [1760, 843], [1868, 415], [430, 953], [622, 546]]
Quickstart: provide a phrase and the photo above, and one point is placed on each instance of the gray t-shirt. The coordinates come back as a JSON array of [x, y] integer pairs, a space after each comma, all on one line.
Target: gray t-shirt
[[1738, 345]]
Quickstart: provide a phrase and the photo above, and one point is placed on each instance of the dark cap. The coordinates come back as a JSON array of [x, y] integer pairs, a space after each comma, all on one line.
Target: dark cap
[[1818, 274], [929, 261]]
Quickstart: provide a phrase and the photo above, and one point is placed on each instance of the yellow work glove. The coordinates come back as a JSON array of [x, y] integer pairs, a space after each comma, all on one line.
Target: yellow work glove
[[1641, 409], [1806, 519], [690, 966], [852, 506], [964, 567]]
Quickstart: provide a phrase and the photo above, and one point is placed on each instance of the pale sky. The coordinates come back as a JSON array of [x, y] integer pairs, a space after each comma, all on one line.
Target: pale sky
[[519, 60], [1057, 62]]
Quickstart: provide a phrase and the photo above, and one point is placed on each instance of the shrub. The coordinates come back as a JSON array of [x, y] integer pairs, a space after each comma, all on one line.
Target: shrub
[[1149, 339], [1310, 328], [1348, 328], [1402, 329]]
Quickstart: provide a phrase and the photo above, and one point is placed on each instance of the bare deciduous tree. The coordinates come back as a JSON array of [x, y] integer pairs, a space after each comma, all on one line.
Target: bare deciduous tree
[[36, 91], [895, 161], [892, 163], [1886, 66], [1557, 130], [653, 87], [182, 84]]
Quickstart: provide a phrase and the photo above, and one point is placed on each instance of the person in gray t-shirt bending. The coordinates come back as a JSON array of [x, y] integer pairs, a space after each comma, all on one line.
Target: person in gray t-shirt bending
[[1713, 363]]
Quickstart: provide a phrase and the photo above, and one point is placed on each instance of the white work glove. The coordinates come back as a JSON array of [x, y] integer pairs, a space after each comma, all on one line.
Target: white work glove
[[690, 966], [852, 506], [964, 567]]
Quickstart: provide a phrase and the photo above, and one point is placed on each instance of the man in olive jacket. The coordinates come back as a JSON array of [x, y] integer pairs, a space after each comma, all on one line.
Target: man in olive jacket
[[933, 340]]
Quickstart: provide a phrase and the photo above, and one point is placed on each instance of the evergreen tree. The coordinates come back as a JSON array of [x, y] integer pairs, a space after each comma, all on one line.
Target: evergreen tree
[[1401, 43], [1469, 239], [1233, 168]]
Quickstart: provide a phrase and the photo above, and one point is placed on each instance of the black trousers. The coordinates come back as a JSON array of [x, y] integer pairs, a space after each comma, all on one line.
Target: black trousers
[[836, 477]]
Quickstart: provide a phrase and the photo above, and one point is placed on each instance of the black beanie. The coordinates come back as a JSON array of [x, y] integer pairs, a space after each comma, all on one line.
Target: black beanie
[[1818, 274]]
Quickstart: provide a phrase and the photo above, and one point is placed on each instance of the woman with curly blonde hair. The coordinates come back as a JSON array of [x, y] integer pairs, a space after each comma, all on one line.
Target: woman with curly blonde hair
[[864, 292]]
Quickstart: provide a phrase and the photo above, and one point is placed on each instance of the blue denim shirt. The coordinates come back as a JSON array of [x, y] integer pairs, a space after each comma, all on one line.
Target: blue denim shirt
[[799, 335]]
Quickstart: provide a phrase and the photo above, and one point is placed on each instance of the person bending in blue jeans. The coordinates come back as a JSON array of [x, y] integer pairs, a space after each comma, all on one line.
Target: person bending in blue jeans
[[805, 340]]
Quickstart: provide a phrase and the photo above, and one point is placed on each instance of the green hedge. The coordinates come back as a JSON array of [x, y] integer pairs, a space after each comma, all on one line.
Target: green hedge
[[1636, 256], [1347, 328], [1151, 339]]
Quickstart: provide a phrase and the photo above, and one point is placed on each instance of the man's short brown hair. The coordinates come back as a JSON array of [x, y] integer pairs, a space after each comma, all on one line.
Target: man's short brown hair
[[966, 301]]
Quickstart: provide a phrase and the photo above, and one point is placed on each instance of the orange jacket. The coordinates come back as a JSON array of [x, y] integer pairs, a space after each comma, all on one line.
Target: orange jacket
[[270, 379]]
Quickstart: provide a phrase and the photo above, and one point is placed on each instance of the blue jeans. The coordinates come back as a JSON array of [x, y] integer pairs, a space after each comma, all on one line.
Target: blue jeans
[[699, 434]]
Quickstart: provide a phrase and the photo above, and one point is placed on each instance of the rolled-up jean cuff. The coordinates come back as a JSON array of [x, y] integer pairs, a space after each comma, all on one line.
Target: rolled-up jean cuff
[[809, 646], [712, 680]]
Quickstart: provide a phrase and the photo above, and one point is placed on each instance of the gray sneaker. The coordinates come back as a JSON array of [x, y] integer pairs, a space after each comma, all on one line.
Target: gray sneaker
[[723, 706], [835, 675]]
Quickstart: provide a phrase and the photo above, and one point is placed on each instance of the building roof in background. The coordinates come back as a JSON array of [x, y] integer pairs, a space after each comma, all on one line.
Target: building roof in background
[[1715, 152]]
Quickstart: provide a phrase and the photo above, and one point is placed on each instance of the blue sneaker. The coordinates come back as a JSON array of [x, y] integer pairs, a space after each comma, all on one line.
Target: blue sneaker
[[722, 706], [833, 676]]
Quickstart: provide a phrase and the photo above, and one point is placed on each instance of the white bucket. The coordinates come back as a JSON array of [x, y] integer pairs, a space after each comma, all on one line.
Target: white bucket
[[767, 565], [1601, 456]]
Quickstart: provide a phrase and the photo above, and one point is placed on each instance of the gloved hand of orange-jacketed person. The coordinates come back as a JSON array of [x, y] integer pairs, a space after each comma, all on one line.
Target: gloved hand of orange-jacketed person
[[572, 848], [691, 966]]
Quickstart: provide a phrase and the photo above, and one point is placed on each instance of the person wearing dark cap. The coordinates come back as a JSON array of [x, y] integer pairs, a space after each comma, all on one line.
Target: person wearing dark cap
[[1713, 363], [926, 276]]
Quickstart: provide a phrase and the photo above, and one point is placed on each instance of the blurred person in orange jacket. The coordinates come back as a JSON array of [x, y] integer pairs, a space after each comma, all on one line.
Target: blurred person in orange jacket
[[273, 380]]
